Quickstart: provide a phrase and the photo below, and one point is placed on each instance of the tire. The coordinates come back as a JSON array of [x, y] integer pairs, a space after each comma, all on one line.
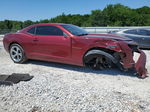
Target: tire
[[17, 53], [97, 59]]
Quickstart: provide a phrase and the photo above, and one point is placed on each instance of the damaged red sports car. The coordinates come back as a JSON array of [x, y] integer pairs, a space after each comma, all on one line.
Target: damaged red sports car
[[70, 44]]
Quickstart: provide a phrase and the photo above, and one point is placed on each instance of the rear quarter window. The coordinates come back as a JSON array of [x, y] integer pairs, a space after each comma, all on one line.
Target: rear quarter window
[[31, 30]]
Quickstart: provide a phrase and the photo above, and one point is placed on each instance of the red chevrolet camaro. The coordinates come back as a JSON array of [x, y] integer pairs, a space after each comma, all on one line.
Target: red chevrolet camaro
[[70, 44]]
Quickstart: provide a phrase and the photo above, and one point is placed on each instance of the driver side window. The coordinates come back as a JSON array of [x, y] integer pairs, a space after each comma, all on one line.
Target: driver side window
[[49, 31]]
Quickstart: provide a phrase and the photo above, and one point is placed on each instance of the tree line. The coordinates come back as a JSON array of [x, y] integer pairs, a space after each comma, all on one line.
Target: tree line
[[111, 15]]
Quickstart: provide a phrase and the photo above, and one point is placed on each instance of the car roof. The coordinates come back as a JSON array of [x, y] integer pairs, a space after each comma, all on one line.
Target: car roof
[[42, 24], [50, 24]]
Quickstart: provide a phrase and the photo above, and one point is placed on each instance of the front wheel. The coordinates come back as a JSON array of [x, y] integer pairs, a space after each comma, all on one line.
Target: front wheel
[[99, 62], [17, 53], [98, 59]]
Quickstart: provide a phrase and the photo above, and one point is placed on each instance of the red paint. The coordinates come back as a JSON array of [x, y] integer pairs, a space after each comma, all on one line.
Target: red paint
[[71, 49], [126, 56], [128, 62], [140, 65]]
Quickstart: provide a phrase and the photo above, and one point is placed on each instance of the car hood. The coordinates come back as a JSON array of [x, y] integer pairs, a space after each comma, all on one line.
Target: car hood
[[108, 36]]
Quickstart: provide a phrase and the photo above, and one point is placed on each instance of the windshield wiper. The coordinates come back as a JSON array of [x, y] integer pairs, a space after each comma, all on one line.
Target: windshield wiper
[[83, 34]]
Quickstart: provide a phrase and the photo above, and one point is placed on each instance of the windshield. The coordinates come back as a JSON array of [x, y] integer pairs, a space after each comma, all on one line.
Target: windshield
[[75, 30]]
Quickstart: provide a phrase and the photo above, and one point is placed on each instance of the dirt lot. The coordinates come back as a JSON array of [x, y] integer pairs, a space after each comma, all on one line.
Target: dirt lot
[[65, 88]]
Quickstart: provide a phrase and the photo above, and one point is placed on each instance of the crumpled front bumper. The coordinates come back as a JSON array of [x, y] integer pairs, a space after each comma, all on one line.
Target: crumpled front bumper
[[128, 62], [140, 65]]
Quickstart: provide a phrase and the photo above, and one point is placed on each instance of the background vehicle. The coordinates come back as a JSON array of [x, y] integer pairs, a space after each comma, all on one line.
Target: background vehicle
[[141, 36], [70, 44]]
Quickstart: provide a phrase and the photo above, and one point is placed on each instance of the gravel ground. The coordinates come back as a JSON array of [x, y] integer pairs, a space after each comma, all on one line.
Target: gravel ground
[[65, 88]]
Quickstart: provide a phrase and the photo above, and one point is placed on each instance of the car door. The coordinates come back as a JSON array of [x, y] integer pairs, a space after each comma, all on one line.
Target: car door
[[50, 43]]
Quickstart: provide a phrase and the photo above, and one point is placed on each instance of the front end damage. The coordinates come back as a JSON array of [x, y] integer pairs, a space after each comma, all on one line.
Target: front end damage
[[119, 53], [127, 61]]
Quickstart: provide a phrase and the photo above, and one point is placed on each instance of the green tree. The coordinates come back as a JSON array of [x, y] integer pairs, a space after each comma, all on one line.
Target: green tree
[[27, 23], [143, 10]]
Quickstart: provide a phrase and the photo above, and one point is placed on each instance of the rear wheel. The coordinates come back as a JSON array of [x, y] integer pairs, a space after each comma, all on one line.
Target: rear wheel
[[17, 53]]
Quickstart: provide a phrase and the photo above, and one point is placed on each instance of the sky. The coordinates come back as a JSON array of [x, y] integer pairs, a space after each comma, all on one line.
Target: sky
[[45, 9]]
